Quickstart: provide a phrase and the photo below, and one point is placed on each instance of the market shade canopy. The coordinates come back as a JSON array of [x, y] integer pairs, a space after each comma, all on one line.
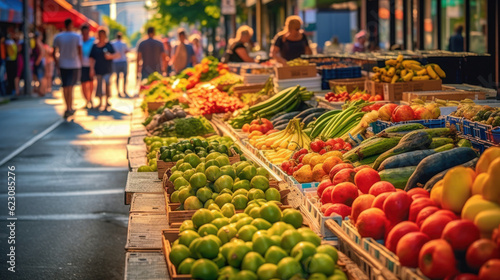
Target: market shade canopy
[[57, 11]]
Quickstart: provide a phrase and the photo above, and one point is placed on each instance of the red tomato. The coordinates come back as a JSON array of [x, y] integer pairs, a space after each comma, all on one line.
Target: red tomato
[[337, 147], [245, 127], [347, 146]]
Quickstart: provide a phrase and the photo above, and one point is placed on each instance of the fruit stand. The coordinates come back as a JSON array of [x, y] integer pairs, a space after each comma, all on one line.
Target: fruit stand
[[274, 186]]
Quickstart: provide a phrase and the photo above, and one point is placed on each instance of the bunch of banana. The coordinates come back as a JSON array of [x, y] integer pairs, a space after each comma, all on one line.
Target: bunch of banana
[[399, 70], [291, 138], [298, 62], [279, 156], [447, 103]]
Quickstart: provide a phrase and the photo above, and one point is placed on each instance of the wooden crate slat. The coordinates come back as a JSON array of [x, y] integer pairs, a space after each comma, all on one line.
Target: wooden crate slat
[[144, 231], [145, 266], [147, 203]]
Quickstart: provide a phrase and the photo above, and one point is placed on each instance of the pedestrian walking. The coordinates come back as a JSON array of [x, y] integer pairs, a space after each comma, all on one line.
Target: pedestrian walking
[[11, 59], [184, 55], [49, 67], [68, 58], [195, 41], [120, 65], [150, 55], [86, 79], [101, 64], [38, 60]]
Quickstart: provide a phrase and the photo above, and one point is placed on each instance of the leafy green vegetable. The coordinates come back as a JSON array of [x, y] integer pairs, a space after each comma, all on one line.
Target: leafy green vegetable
[[188, 127]]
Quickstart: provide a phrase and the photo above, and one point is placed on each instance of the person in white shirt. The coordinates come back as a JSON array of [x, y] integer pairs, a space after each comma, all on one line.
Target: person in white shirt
[[68, 58], [120, 63]]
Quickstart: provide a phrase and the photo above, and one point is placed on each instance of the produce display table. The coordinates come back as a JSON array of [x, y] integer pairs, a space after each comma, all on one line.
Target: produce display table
[[142, 182]]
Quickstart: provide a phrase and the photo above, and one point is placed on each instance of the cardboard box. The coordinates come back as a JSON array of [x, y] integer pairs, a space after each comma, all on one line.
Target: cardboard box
[[443, 94], [295, 72], [394, 92]]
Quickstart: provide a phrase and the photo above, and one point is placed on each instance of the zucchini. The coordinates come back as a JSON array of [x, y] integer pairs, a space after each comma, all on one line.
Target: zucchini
[[281, 126], [397, 176], [278, 115], [444, 148], [322, 121], [285, 116], [404, 127], [464, 143], [436, 163], [440, 141], [366, 161], [311, 117], [440, 132], [430, 184], [280, 122], [371, 148], [309, 111], [405, 159], [412, 141]]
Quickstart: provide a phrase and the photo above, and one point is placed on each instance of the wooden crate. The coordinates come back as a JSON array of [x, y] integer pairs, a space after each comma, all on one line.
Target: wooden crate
[[141, 182], [145, 266], [153, 106], [162, 166], [147, 203], [295, 72], [170, 266], [394, 92], [144, 232]]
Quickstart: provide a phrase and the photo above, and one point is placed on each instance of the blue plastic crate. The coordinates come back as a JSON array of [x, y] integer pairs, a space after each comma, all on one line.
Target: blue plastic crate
[[479, 145], [325, 85], [495, 135], [455, 121], [379, 125], [481, 130], [468, 127]]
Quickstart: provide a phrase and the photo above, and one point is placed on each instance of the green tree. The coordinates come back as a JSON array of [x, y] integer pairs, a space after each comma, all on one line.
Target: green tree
[[134, 38], [115, 27]]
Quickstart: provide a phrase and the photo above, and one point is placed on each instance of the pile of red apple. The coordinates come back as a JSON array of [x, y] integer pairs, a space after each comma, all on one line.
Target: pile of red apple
[[421, 234], [400, 113]]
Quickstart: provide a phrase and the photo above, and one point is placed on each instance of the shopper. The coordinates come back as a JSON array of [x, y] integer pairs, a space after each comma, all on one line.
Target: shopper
[[3, 56], [11, 59], [49, 67], [195, 41], [168, 53], [68, 45], [290, 43], [359, 45], [456, 42], [120, 65], [38, 60], [150, 55], [101, 64], [87, 79], [237, 51], [20, 65], [184, 55]]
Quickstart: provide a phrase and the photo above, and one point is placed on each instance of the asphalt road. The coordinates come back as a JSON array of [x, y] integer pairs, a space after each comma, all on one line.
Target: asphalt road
[[71, 218]]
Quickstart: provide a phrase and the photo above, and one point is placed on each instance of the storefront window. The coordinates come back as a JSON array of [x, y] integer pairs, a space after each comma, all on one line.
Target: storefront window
[[430, 25], [399, 16], [384, 20], [453, 19], [478, 27]]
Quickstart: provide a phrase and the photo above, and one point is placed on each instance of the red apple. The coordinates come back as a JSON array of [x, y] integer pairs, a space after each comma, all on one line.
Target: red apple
[[396, 207], [419, 195], [402, 113], [463, 276], [344, 193], [326, 196], [434, 225], [337, 168], [417, 205], [339, 209], [415, 191], [323, 185], [372, 223], [480, 252], [381, 187], [360, 204], [344, 175], [409, 246], [365, 178], [378, 202], [424, 213], [490, 270], [422, 113], [436, 259], [357, 169], [460, 234], [447, 213], [324, 207], [385, 112], [397, 232]]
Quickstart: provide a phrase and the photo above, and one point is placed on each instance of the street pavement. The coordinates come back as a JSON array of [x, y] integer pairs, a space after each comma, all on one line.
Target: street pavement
[[71, 218]]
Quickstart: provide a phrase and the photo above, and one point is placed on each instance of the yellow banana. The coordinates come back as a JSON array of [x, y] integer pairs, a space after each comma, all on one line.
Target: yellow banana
[[418, 101], [385, 79], [439, 71], [403, 72], [375, 69], [391, 62], [422, 72], [431, 72], [414, 67], [395, 78], [400, 58], [408, 76], [391, 71], [421, 78]]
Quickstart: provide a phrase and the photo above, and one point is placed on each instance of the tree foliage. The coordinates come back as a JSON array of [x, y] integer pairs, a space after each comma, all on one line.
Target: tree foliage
[[206, 12], [115, 27]]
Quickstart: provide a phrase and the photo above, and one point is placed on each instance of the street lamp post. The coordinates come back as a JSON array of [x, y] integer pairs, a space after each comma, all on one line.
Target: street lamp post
[[26, 49]]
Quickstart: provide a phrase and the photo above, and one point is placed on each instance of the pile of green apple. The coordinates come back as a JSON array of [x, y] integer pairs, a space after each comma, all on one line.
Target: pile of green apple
[[212, 182], [261, 243]]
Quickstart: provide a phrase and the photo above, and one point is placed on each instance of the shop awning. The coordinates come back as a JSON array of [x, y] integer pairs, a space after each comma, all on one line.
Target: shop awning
[[57, 11], [11, 11]]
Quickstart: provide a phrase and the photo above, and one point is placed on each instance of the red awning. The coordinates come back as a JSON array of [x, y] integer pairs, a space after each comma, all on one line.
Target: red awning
[[57, 11]]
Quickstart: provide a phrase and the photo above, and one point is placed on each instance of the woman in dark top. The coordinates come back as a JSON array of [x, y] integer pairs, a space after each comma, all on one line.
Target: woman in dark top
[[237, 52], [101, 64], [291, 43]]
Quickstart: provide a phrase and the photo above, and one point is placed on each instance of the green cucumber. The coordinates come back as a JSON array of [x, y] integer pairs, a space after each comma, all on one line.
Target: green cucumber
[[403, 127], [440, 141], [444, 148], [464, 143], [398, 177], [372, 148]]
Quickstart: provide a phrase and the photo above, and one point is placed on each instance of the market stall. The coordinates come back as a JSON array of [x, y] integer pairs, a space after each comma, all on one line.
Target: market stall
[[397, 182]]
